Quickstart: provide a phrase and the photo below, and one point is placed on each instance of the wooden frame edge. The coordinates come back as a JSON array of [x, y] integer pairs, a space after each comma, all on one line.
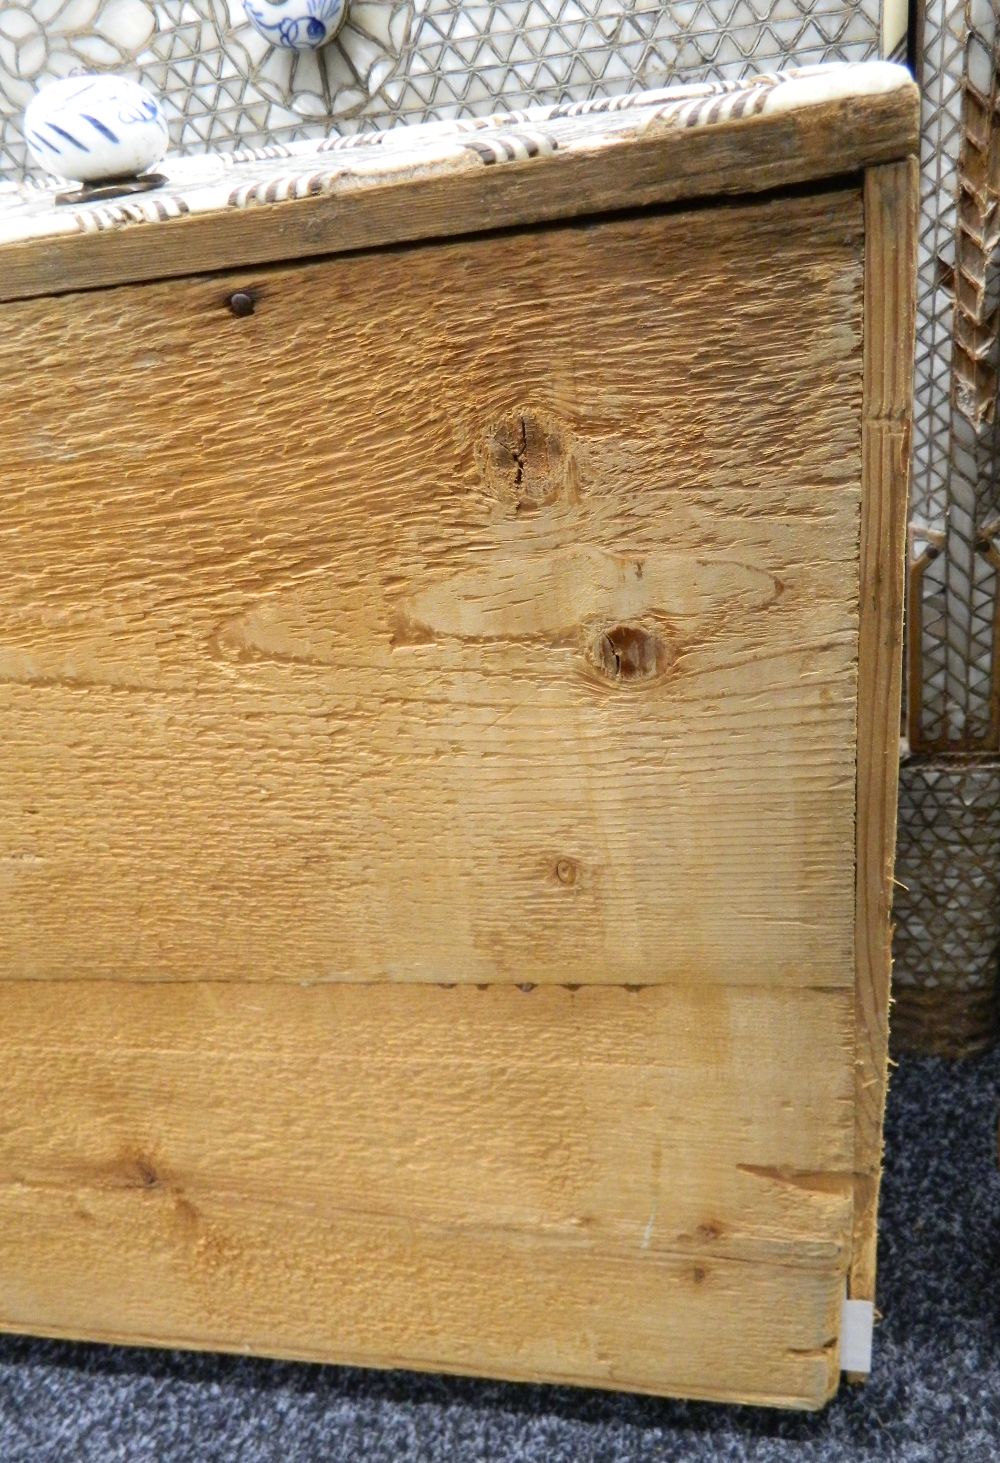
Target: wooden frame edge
[[890, 201], [747, 155]]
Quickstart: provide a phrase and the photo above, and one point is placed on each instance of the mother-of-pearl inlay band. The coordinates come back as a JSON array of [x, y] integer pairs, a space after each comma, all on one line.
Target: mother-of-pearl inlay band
[[341, 165]]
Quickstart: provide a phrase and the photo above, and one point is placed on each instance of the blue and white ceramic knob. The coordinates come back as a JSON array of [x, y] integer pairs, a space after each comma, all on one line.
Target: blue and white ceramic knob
[[298, 25], [92, 128]]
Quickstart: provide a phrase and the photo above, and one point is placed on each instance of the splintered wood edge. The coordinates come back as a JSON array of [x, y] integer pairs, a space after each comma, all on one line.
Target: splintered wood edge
[[891, 198], [749, 155]]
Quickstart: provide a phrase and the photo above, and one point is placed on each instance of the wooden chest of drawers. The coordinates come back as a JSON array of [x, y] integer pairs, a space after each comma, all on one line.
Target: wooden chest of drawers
[[449, 676]]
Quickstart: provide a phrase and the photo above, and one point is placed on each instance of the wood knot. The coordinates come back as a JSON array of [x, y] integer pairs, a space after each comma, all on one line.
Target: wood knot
[[144, 1175], [629, 652], [526, 460], [135, 1170], [566, 871]]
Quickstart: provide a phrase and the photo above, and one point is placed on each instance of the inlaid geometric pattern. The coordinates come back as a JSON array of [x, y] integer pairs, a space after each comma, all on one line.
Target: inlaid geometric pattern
[[946, 947], [281, 172], [955, 504], [947, 897], [225, 87]]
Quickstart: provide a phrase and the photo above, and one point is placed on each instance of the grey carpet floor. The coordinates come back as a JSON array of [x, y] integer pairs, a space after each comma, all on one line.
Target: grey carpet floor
[[934, 1394]]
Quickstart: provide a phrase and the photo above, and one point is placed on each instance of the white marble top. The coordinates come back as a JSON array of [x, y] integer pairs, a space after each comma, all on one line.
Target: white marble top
[[30, 208]]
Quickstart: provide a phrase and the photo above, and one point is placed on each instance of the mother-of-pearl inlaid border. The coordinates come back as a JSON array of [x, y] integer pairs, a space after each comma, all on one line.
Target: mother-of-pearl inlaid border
[[211, 183]]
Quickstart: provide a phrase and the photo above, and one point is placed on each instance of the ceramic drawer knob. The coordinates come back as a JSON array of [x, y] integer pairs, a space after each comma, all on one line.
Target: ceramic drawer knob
[[93, 128], [298, 25]]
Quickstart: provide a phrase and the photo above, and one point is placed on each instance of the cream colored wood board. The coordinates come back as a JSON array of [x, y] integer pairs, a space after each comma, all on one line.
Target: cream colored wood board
[[645, 1189], [479, 612]]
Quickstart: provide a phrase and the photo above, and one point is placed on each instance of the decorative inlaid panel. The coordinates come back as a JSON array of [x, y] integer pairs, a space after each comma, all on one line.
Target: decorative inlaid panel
[[955, 503], [947, 905], [224, 86], [948, 893]]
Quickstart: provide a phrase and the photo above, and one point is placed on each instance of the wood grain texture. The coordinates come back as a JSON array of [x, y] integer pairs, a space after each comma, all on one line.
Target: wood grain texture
[[891, 197], [483, 614], [753, 154], [429, 642], [644, 1189]]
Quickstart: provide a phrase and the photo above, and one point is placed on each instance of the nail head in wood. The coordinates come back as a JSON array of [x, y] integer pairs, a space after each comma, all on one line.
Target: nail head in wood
[[242, 303]]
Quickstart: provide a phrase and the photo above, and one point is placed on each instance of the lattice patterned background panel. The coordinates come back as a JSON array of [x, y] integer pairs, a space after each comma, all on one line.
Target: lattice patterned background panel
[[955, 513], [225, 86], [948, 903], [946, 906]]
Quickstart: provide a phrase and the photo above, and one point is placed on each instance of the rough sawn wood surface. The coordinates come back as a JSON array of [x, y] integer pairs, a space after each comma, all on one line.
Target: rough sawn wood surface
[[430, 801]]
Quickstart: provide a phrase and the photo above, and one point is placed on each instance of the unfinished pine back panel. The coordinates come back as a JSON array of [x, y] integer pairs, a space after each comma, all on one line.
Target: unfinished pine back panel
[[429, 797]]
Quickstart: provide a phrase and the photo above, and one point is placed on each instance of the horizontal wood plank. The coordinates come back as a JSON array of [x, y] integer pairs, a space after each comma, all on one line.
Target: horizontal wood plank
[[640, 1189], [427, 641]]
